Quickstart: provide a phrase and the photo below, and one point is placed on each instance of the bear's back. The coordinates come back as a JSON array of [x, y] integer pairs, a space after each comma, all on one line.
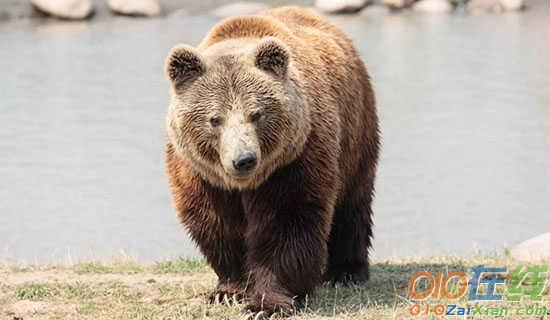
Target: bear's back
[[307, 34]]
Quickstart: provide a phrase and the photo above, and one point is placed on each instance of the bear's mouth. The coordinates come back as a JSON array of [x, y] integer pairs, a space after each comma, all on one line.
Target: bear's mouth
[[241, 177]]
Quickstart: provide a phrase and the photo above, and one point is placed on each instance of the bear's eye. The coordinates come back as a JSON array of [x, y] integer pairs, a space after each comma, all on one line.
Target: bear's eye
[[215, 121], [255, 116]]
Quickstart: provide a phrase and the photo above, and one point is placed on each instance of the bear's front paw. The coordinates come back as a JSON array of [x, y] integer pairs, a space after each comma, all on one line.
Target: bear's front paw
[[347, 273], [228, 293], [269, 304]]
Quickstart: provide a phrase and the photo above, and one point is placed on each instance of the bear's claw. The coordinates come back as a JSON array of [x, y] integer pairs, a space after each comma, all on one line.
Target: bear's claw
[[228, 293]]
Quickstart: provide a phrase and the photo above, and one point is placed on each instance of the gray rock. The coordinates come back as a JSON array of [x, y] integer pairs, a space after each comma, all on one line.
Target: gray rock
[[238, 8], [397, 4], [433, 6], [65, 9], [340, 6], [511, 5], [478, 6], [144, 8], [533, 250]]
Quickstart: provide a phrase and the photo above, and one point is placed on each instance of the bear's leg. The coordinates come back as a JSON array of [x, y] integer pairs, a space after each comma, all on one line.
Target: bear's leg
[[222, 244], [227, 260], [285, 260], [226, 256], [351, 232], [349, 242], [215, 221], [287, 231]]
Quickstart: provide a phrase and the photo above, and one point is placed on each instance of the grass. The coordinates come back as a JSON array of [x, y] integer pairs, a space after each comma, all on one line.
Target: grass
[[176, 289], [34, 291], [181, 265]]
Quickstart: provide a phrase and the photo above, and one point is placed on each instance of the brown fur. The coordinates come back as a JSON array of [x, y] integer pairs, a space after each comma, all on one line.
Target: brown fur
[[306, 211]]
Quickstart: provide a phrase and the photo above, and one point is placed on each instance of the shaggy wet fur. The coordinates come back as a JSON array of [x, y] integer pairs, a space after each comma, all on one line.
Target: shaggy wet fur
[[305, 214]]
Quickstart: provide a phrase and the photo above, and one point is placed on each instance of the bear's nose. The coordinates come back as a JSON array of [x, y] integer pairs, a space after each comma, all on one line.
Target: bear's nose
[[245, 161]]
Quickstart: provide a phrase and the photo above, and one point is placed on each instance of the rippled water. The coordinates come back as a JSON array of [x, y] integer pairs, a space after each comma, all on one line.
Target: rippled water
[[464, 104]]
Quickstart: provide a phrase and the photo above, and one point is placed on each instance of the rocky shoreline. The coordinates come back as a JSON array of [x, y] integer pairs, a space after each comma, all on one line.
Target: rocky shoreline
[[97, 9], [101, 9]]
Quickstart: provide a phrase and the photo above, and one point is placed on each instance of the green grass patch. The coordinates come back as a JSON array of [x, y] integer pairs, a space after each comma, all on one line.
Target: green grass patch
[[181, 265], [78, 291], [45, 291], [121, 266], [87, 309], [92, 267], [34, 291]]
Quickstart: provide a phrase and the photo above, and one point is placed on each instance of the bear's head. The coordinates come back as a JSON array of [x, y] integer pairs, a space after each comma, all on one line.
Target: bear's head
[[237, 113]]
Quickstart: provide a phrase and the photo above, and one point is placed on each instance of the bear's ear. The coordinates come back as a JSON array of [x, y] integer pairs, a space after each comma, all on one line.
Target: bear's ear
[[183, 64], [272, 55]]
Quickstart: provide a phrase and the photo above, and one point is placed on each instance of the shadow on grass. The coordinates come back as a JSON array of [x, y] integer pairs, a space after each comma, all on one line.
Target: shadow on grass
[[386, 289]]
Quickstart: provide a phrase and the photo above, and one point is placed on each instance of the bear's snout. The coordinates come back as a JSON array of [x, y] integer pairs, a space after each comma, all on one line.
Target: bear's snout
[[240, 153], [245, 162]]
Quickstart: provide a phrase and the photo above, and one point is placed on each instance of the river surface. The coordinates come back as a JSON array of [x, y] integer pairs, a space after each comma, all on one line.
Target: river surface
[[464, 104]]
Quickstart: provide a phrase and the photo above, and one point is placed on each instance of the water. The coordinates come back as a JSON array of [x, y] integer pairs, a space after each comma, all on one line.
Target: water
[[464, 103]]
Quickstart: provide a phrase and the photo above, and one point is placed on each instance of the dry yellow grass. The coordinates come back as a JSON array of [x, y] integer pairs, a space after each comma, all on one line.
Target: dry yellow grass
[[177, 289]]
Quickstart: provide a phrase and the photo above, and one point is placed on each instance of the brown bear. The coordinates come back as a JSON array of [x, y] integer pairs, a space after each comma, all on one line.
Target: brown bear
[[272, 148]]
